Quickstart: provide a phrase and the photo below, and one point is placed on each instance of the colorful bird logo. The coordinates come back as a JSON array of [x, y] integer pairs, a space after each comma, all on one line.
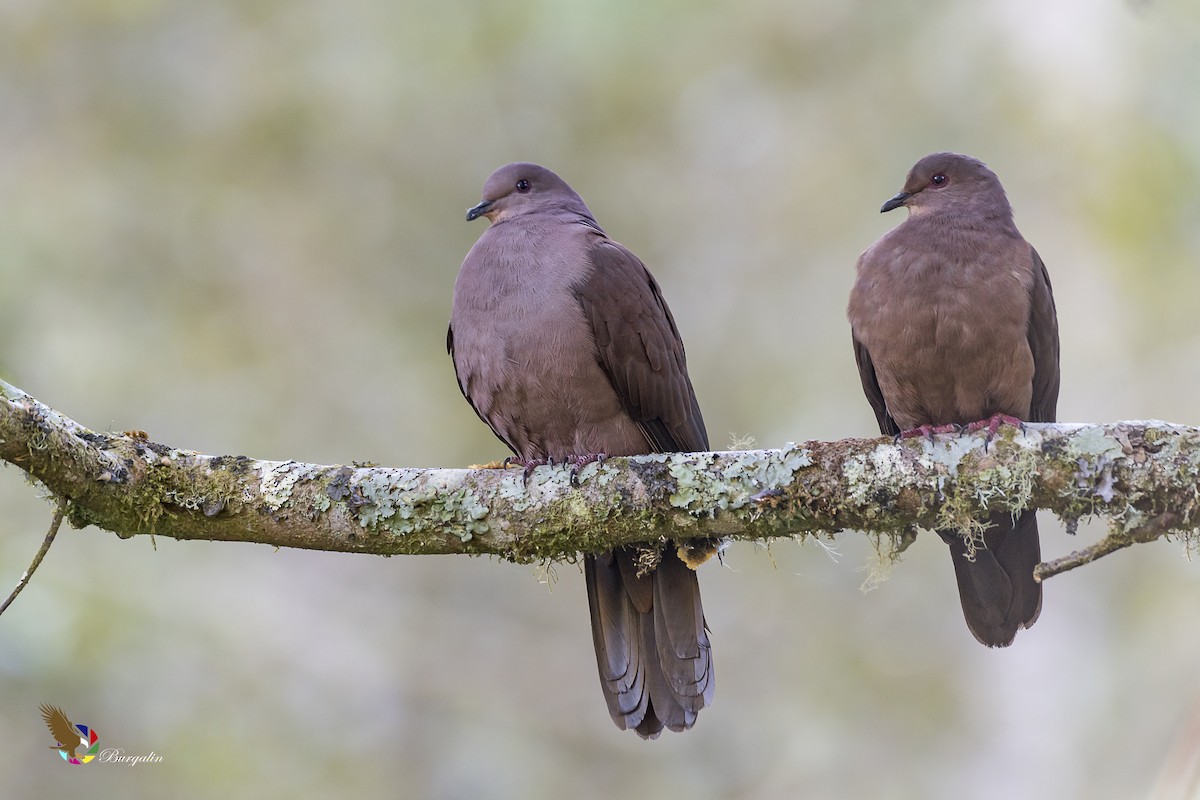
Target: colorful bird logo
[[69, 736]]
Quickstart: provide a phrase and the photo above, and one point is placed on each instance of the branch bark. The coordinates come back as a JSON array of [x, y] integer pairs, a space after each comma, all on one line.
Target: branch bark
[[1141, 476]]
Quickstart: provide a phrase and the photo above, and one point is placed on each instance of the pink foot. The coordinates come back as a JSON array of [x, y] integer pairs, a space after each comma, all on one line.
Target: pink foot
[[581, 460], [575, 462], [928, 431], [528, 466], [993, 423]]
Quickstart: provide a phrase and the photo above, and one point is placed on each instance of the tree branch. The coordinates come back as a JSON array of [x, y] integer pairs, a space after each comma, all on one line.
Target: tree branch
[[1141, 476], [55, 524]]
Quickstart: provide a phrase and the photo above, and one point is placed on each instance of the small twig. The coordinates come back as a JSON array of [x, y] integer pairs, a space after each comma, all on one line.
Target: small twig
[[1158, 525], [59, 513], [1109, 544]]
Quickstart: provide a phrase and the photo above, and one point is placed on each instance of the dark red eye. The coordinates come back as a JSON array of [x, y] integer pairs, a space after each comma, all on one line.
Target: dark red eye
[[938, 180], [522, 186]]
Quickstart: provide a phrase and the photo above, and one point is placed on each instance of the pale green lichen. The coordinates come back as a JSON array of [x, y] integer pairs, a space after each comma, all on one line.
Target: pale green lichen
[[948, 451], [277, 479], [512, 489], [690, 483], [865, 471], [388, 493], [596, 471], [1131, 520], [742, 475], [401, 501], [1094, 442]]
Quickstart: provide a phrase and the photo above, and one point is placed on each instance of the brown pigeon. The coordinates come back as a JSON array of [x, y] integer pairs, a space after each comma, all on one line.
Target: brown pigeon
[[564, 346], [954, 325]]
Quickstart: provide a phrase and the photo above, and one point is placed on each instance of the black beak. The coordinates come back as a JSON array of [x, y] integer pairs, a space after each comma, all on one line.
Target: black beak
[[474, 212], [895, 202]]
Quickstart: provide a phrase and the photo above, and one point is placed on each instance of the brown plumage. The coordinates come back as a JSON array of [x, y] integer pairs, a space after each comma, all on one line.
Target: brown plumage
[[953, 322], [563, 345], [62, 729]]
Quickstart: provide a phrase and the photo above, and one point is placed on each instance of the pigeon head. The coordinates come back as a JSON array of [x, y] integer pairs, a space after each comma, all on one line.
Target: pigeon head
[[523, 188], [943, 181]]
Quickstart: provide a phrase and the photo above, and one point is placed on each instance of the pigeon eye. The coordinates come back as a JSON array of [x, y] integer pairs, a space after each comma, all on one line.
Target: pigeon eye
[[522, 186], [938, 180]]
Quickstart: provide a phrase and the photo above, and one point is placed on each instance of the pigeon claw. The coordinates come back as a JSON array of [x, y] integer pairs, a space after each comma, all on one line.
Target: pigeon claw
[[928, 431], [578, 462], [992, 424], [530, 465], [575, 462]]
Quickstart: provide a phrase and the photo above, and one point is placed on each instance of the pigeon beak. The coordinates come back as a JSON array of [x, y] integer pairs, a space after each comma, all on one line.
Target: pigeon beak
[[474, 212], [895, 202]]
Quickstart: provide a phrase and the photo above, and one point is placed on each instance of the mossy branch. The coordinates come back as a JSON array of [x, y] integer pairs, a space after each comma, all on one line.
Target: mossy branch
[[1141, 476]]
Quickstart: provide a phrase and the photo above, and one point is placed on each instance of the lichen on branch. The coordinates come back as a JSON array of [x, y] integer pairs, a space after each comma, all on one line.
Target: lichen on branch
[[1143, 477]]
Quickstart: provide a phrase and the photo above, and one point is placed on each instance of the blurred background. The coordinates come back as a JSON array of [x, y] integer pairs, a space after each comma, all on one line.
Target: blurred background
[[237, 226]]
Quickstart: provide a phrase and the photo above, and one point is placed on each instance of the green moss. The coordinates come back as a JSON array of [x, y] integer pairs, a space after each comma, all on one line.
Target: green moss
[[79, 517], [196, 487]]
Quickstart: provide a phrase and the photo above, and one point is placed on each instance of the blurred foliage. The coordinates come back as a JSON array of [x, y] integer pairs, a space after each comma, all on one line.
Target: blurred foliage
[[237, 226]]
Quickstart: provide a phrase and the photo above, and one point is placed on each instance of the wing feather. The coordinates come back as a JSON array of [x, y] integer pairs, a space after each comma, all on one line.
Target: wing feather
[[640, 350], [1043, 343], [870, 384], [466, 392]]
